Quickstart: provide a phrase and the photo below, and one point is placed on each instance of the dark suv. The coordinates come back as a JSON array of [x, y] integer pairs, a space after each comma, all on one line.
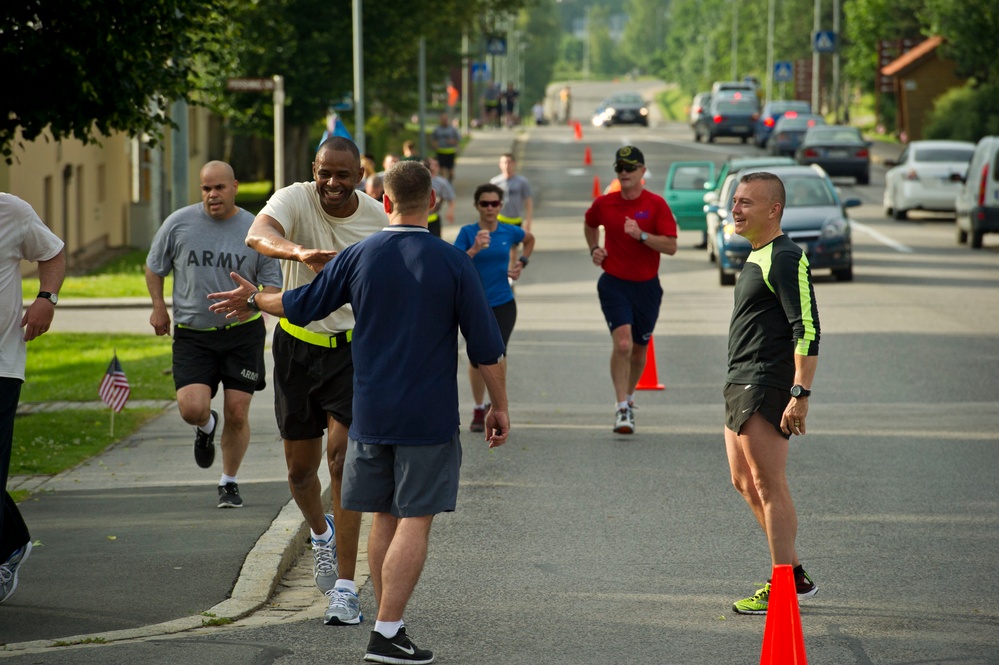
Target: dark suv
[[728, 115]]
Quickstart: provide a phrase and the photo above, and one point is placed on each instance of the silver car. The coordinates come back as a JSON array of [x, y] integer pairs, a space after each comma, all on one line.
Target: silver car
[[927, 176]]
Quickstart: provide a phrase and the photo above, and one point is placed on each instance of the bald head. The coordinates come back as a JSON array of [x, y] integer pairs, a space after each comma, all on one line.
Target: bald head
[[218, 190]]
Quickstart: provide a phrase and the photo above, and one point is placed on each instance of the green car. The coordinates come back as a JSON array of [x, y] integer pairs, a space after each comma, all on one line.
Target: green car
[[686, 184]]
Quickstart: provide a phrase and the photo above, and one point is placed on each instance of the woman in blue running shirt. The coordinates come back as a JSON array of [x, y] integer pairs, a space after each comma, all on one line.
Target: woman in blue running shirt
[[493, 248]]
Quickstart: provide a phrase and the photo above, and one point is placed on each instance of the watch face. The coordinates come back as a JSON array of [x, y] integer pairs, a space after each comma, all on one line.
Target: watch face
[[54, 298]]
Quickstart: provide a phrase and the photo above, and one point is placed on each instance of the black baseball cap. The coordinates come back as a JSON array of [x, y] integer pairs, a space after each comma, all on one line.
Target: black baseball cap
[[629, 154]]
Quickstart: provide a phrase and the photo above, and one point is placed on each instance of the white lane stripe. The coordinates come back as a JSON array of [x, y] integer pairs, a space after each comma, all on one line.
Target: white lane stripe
[[882, 238]]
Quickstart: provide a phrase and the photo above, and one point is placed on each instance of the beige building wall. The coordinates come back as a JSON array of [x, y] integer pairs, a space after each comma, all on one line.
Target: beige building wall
[[107, 195]]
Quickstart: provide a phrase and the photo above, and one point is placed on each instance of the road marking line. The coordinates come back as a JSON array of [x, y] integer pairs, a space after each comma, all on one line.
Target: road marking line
[[882, 238]]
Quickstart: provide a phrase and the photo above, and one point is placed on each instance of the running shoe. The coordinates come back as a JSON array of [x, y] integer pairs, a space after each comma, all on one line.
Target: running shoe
[[398, 650], [229, 496], [344, 609], [805, 586], [479, 419], [204, 444], [8, 570], [625, 422], [324, 568], [756, 604]]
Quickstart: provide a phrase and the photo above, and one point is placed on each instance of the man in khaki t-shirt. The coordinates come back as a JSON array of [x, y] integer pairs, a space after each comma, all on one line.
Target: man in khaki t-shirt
[[305, 225]]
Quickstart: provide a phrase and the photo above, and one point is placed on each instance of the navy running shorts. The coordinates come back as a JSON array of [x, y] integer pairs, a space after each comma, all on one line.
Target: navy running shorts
[[631, 303]]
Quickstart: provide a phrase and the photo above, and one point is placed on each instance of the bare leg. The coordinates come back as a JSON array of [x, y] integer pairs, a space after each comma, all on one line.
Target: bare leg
[[195, 403], [236, 430], [347, 522], [621, 361], [638, 356], [757, 460], [303, 457], [477, 384], [397, 550]]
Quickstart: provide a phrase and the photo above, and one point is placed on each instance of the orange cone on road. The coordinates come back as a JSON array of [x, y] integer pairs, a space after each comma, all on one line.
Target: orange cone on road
[[596, 186], [588, 157], [650, 379], [783, 641], [577, 130]]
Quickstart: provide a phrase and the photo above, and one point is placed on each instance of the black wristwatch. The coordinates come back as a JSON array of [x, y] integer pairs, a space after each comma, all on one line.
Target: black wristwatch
[[799, 391], [251, 302], [523, 261], [643, 237], [51, 297]]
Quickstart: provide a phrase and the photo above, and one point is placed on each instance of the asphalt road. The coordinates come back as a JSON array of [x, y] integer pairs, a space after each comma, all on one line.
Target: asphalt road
[[573, 545]]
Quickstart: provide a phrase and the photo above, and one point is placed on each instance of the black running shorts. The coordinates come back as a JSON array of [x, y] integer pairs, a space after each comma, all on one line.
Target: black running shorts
[[233, 356], [742, 401]]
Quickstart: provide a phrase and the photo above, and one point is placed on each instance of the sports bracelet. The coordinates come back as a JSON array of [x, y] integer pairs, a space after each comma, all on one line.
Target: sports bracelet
[[593, 249]]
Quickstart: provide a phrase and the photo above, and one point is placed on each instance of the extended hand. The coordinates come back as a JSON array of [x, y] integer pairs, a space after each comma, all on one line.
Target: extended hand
[[233, 303], [315, 259]]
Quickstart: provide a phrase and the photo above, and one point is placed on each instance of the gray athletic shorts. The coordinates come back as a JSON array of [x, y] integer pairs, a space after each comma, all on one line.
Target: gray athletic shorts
[[405, 481], [743, 401]]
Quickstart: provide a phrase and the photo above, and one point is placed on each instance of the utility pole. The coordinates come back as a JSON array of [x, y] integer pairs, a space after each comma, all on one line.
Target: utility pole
[[770, 50], [835, 88], [816, 57], [735, 41], [358, 77]]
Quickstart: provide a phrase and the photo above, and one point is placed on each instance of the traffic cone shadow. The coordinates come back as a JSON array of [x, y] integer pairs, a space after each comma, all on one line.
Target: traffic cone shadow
[[783, 640], [596, 186], [650, 379], [587, 157]]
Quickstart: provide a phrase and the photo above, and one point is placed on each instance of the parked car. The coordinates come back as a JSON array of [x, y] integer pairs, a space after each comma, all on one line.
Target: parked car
[[840, 150], [789, 130], [714, 211], [728, 116], [698, 107], [814, 217], [977, 202], [686, 184], [771, 113], [624, 108], [926, 176]]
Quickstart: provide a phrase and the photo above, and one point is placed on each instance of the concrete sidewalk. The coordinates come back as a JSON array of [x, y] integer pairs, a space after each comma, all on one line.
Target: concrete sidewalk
[[130, 543]]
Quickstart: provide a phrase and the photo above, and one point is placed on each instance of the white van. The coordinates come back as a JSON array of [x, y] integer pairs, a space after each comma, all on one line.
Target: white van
[[977, 203]]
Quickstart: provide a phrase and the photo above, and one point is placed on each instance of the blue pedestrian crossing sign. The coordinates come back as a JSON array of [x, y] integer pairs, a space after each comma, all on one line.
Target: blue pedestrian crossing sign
[[824, 41], [783, 71]]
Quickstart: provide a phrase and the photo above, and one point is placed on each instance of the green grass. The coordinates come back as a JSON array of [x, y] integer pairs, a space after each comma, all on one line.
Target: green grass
[[674, 104], [122, 277], [50, 442], [70, 366]]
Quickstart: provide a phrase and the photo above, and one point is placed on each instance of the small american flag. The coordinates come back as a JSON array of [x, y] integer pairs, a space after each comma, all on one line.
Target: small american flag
[[114, 386]]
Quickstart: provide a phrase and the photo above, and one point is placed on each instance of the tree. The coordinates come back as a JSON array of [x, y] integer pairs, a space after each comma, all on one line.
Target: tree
[[971, 31], [868, 22], [645, 32], [541, 26], [87, 68]]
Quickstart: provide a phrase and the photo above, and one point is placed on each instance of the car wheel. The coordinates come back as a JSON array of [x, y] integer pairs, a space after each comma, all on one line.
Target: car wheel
[[745, 139], [844, 274], [962, 236], [697, 136], [711, 137], [864, 179], [725, 278], [899, 214], [888, 212], [976, 239]]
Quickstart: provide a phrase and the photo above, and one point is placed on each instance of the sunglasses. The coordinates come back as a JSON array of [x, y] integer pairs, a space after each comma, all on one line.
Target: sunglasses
[[626, 168], [490, 204]]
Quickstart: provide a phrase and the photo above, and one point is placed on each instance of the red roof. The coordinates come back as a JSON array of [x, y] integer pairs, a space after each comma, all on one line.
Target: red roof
[[900, 64]]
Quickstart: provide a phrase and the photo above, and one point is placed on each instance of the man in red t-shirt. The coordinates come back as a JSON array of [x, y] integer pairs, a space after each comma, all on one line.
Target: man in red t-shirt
[[638, 227]]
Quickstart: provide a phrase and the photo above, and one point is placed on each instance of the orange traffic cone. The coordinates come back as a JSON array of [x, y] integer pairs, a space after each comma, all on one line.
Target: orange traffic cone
[[596, 186], [577, 130], [783, 641], [650, 380], [587, 157]]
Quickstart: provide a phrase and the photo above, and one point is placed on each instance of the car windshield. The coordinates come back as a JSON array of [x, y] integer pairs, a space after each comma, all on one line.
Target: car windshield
[[784, 107], [798, 124], [834, 135], [943, 154], [807, 191], [691, 177], [635, 100], [736, 106]]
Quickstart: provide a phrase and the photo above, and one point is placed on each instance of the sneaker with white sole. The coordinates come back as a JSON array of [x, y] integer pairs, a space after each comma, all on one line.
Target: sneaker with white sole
[[344, 608], [398, 650], [324, 568], [624, 423], [755, 604], [803, 584], [8, 570], [204, 444], [229, 496]]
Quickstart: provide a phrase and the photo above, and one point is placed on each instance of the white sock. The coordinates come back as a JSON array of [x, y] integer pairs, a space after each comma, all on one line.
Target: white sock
[[324, 536], [207, 429], [622, 405], [631, 398], [225, 480], [480, 406], [388, 629], [346, 585]]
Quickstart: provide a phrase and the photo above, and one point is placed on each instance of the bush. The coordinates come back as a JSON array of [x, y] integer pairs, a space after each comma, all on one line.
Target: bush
[[965, 114]]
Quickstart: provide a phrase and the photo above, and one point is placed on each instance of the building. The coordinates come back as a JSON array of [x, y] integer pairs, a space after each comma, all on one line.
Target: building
[[920, 76]]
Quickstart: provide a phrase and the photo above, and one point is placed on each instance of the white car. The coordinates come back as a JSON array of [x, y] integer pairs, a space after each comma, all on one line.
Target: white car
[[927, 176]]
